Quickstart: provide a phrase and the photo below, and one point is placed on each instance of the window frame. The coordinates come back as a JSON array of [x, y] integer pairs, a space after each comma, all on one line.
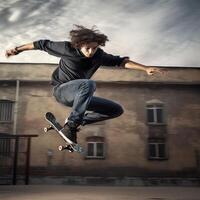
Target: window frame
[[5, 146], [11, 114], [156, 143], [95, 156], [155, 107]]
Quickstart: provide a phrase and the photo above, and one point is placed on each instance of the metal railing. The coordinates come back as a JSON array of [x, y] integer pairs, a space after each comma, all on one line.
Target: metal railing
[[9, 157]]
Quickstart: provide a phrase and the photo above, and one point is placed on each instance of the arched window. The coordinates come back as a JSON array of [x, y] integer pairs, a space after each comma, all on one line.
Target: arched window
[[155, 112], [6, 110], [95, 147]]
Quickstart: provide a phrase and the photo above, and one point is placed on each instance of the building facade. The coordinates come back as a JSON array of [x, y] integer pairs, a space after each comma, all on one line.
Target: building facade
[[158, 134]]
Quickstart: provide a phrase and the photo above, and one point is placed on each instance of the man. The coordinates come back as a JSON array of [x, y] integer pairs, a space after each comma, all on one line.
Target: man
[[79, 59]]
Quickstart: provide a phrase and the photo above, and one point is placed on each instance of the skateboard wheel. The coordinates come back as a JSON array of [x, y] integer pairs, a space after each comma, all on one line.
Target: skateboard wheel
[[60, 148], [45, 129]]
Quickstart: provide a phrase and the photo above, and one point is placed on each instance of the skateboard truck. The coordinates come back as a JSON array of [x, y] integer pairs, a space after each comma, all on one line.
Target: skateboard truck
[[46, 129], [68, 147]]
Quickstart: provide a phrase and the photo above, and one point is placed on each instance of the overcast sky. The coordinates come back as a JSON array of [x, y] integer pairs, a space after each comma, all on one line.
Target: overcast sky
[[152, 32]]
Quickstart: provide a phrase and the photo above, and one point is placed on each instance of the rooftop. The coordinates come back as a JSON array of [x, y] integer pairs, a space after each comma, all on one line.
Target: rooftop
[[42, 72]]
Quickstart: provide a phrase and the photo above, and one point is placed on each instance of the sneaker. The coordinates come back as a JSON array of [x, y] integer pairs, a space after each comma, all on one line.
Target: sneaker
[[70, 132]]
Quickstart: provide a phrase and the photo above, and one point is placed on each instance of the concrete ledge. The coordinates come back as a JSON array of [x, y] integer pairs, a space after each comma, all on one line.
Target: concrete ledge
[[115, 181], [42, 72]]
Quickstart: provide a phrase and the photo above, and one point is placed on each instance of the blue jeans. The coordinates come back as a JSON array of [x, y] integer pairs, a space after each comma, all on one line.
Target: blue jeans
[[86, 108]]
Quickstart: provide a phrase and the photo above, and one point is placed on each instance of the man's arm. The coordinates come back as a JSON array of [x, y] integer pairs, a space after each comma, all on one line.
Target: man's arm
[[19, 49], [129, 64], [54, 48]]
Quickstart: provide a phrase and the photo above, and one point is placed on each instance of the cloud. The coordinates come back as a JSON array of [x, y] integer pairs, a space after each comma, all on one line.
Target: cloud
[[14, 15], [149, 31]]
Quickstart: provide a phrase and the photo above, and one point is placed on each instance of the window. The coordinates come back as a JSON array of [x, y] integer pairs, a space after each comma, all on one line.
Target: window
[[6, 111], [5, 146], [157, 149], [95, 147], [155, 114]]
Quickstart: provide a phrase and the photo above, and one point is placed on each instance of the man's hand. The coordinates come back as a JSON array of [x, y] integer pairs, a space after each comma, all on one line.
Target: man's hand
[[19, 49], [11, 52], [149, 70], [153, 70]]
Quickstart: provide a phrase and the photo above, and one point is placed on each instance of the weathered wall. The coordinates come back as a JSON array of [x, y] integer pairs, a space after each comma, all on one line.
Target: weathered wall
[[126, 137]]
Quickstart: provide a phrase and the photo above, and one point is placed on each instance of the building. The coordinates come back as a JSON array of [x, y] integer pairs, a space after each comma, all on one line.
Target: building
[[158, 134]]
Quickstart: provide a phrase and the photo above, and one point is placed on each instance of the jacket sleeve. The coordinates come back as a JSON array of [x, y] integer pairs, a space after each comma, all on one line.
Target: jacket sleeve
[[111, 60], [53, 48]]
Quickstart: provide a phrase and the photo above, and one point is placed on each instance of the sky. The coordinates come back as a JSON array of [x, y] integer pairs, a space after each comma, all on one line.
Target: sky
[[151, 32]]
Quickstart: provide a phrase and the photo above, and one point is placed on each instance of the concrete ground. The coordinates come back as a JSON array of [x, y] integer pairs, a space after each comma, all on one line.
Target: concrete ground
[[60, 192]]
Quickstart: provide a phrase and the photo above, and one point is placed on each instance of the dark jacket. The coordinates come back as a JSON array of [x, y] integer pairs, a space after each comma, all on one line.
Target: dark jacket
[[73, 64]]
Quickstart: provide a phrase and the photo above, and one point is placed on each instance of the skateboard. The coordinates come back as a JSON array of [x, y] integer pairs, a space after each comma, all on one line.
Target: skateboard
[[70, 146]]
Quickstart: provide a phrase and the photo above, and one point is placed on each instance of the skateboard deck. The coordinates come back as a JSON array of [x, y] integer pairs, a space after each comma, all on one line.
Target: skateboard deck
[[69, 145]]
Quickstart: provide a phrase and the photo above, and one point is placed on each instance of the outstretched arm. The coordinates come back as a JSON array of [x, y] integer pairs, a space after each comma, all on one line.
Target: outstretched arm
[[149, 70], [19, 49], [54, 48]]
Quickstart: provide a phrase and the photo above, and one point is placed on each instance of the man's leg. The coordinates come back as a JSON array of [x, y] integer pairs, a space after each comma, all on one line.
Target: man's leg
[[101, 109], [76, 94]]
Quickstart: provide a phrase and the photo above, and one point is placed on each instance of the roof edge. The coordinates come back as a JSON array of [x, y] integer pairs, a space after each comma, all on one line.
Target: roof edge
[[55, 64], [112, 82]]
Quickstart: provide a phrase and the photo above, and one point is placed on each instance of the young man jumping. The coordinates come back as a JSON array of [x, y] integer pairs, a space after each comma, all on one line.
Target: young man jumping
[[79, 59]]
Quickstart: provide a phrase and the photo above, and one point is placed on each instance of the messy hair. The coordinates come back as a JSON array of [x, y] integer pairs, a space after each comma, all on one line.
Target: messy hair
[[82, 35]]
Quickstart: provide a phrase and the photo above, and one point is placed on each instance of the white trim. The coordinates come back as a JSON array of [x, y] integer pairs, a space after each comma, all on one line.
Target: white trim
[[16, 107]]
